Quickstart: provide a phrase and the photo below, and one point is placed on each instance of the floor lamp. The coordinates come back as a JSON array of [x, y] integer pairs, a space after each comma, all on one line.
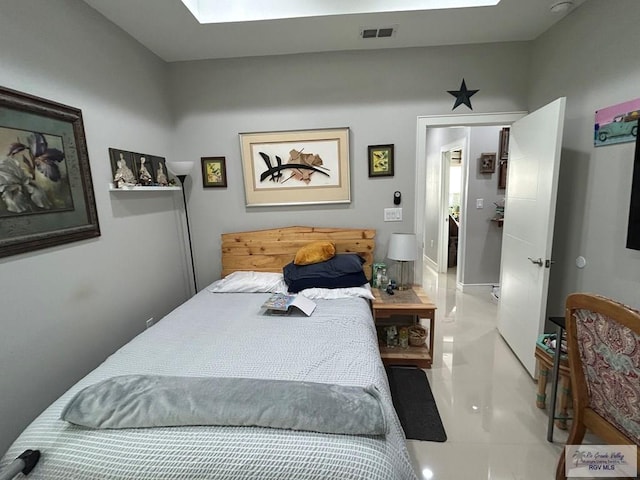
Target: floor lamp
[[181, 170], [402, 248]]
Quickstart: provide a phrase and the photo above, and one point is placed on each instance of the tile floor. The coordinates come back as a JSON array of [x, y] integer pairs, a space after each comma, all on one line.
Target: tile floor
[[485, 397]]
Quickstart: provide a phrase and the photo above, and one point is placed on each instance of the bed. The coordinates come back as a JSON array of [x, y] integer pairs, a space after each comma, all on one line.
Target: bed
[[227, 335]]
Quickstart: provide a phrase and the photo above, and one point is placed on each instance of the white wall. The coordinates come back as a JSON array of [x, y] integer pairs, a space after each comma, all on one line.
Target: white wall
[[483, 238], [591, 57], [64, 309], [377, 94]]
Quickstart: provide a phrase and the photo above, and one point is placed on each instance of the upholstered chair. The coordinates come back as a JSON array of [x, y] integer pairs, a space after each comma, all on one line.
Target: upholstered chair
[[603, 338]]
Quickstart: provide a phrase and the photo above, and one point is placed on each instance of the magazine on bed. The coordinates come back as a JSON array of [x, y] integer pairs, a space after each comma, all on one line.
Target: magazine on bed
[[285, 304]]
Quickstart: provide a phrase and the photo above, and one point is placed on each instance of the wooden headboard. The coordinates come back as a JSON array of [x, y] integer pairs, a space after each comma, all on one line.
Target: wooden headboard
[[270, 250]]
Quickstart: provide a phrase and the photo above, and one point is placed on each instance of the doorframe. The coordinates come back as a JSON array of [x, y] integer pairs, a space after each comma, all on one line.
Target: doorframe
[[435, 121], [445, 178]]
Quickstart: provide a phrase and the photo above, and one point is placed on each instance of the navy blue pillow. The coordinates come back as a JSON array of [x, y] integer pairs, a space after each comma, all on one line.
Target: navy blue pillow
[[343, 270], [343, 281]]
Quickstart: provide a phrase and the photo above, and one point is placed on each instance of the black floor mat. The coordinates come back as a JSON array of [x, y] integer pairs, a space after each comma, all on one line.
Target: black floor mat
[[415, 405]]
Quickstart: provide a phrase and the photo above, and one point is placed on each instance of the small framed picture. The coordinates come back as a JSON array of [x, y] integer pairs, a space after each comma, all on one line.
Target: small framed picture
[[143, 169], [160, 174], [122, 166], [214, 172], [380, 160], [488, 163]]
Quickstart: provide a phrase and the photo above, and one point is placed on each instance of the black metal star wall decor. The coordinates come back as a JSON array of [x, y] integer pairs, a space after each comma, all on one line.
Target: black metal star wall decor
[[463, 95]]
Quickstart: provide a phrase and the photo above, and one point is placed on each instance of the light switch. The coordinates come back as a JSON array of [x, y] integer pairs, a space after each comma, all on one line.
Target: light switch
[[479, 202], [393, 214]]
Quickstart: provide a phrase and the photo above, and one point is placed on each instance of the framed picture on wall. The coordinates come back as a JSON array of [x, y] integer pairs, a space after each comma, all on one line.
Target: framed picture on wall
[[488, 163], [214, 172], [45, 177], [380, 160], [503, 157], [296, 167]]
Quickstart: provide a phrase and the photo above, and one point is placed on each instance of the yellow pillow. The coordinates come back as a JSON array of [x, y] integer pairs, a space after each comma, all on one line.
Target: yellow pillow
[[315, 252]]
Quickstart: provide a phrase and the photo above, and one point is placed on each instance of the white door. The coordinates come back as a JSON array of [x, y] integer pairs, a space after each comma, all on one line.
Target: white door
[[530, 204]]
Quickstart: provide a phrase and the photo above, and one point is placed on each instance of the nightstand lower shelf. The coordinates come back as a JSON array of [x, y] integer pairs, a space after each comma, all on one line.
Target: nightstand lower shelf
[[418, 356]]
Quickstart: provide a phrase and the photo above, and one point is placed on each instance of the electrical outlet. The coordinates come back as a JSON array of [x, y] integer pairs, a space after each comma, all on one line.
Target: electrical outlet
[[150, 322], [393, 214], [479, 202]]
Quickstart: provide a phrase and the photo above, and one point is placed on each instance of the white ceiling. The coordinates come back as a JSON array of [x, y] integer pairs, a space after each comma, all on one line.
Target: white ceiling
[[167, 28]]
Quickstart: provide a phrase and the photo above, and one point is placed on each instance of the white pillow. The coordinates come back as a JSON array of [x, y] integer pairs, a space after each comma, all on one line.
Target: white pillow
[[250, 282], [333, 293]]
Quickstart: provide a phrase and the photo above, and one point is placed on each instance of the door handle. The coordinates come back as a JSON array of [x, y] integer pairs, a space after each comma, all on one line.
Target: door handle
[[537, 262]]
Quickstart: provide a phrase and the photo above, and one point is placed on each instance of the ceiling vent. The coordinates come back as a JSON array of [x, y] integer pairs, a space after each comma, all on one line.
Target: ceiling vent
[[381, 32]]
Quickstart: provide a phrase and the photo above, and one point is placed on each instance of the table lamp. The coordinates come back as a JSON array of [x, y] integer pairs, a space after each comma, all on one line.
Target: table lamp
[[402, 248]]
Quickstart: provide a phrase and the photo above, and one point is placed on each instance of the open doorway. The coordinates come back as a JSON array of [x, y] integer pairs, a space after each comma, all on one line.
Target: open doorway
[[535, 142], [429, 197], [452, 207]]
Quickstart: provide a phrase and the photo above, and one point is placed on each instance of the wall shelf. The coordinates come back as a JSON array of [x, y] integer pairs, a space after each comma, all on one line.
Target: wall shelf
[[112, 188]]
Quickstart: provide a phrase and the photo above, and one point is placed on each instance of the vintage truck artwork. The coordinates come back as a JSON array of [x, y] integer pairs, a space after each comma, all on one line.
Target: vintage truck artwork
[[617, 124]]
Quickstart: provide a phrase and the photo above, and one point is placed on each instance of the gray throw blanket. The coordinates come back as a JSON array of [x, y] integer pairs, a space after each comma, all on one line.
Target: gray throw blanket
[[135, 401]]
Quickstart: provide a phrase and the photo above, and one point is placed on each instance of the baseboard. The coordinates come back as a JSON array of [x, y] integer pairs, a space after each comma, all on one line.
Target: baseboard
[[430, 263], [476, 287]]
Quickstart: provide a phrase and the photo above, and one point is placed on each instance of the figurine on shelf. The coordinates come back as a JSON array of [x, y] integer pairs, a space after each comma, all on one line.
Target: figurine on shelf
[[144, 177], [124, 176], [161, 177]]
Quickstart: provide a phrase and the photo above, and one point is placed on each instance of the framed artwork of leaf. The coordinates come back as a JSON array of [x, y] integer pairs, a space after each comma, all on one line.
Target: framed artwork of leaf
[[296, 167]]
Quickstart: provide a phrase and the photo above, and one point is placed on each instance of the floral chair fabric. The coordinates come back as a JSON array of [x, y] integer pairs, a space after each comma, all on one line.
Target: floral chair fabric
[[610, 355], [603, 338]]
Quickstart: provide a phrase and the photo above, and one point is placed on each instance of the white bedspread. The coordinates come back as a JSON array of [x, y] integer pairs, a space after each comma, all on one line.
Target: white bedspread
[[225, 335]]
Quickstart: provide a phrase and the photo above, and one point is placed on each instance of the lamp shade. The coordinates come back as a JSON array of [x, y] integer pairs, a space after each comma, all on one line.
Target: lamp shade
[[402, 247], [180, 168]]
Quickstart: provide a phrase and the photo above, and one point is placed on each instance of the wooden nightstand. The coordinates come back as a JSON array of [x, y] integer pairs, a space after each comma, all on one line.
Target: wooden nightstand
[[390, 310]]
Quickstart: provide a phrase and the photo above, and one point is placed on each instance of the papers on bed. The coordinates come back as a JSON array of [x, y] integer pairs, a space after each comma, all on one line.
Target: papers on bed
[[283, 304], [139, 401]]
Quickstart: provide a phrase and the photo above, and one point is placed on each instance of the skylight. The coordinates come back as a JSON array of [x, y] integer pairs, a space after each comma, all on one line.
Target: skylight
[[224, 11]]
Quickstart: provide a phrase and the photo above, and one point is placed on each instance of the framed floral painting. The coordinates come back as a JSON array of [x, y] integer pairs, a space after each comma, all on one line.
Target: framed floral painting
[[46, 194], [214, 172], [381, 160]]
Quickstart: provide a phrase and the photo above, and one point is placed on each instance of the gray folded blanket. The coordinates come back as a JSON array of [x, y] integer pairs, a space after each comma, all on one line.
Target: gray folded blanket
[[135, 401]]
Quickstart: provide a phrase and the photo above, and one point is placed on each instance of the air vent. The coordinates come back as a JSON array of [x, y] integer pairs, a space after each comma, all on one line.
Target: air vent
[[370, 33], [381, 32]]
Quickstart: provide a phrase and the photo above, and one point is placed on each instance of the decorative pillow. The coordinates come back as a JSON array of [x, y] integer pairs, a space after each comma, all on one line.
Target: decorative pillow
[[315, 252], [339, 265], [342, 281], [249, 282], [332, 293], [342, 271]]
